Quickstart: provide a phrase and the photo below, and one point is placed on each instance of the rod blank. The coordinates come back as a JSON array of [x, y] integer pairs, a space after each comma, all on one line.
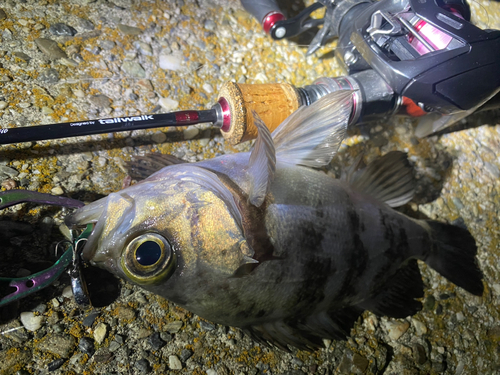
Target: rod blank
[[107, 125]]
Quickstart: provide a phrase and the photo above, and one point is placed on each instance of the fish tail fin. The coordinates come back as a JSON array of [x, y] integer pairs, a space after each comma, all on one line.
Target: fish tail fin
[[454, 256]]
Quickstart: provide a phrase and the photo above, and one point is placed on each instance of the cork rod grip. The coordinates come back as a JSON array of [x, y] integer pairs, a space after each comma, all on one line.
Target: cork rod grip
[[273, 102]]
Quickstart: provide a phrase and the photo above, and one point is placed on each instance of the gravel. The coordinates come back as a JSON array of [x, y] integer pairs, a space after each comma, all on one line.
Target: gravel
[[99, 59]]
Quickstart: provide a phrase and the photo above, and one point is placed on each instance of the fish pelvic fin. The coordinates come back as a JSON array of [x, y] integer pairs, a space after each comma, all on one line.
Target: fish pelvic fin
[[388, 179], [454, 256], [397, 297], [262, 163], [312, 135]]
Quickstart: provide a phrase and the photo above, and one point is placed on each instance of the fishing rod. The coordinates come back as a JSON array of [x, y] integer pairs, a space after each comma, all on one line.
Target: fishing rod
[[422, 59]]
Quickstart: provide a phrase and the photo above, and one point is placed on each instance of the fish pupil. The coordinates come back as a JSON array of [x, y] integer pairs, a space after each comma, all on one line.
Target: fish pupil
[[148, 253]]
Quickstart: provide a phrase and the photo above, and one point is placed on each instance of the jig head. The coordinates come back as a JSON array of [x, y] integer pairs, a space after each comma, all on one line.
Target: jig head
[[70, 259]]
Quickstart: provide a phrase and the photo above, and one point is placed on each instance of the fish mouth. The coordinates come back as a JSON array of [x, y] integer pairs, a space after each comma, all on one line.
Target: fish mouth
[[90, 214]]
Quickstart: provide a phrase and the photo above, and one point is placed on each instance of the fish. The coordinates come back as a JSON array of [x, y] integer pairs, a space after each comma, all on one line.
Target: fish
[[268, 242]]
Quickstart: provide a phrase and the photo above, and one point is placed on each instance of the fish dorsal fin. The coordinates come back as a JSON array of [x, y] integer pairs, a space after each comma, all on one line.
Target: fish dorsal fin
[[141, 167], [312, 135], [388, 179], [262, 163]]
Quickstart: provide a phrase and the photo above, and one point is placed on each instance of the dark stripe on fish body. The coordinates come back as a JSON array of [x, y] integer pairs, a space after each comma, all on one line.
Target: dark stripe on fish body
[[310, 235], [357, 260], [398, 249], [316, 273]]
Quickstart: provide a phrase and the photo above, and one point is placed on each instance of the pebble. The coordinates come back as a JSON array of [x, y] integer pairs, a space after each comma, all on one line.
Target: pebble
[[68, 62], [61, 29], [67, 292], [170, 62], [86, 345], [159, 137], [186, 354], [79, 93], [360, 362], [3, 105], [41, 308], [100, 332], [209, 25], [133, 69], [50, 48], [31, 321], [126, 313], [49, 75], [208, 88], [190, 132], [3, 15], [129, 30], [57, 190], [86, 24], [206, 326], [493, 170], [144, 85], [155, 341], [396, 329], [24, 105], [113, 346], [143, 365], [419, 354], [168, 104], [58, 344], [174, 363], [8, 184], [107, 45], [458, 203], [429, 303], [22, 56], [173, 327], [420, 328], [54, 365], [165, 336], [144, 48], [8, 172], [460, 368], [100, 101], [47, 110]]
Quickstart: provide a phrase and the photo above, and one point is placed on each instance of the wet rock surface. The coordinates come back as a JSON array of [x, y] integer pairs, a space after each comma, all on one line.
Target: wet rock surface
[[101, 59]]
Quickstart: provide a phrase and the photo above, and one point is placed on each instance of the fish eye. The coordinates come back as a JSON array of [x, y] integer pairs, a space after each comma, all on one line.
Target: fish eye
[[148, 259], [148, 253]]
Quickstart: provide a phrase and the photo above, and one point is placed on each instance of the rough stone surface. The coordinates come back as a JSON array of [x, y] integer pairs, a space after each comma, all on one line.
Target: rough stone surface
[[187, 50], [57, 344]]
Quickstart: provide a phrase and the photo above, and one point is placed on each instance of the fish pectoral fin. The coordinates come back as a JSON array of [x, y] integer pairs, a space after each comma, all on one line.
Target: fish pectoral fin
[[388, 179], [397, 297], [312, 135], [262, 163]]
